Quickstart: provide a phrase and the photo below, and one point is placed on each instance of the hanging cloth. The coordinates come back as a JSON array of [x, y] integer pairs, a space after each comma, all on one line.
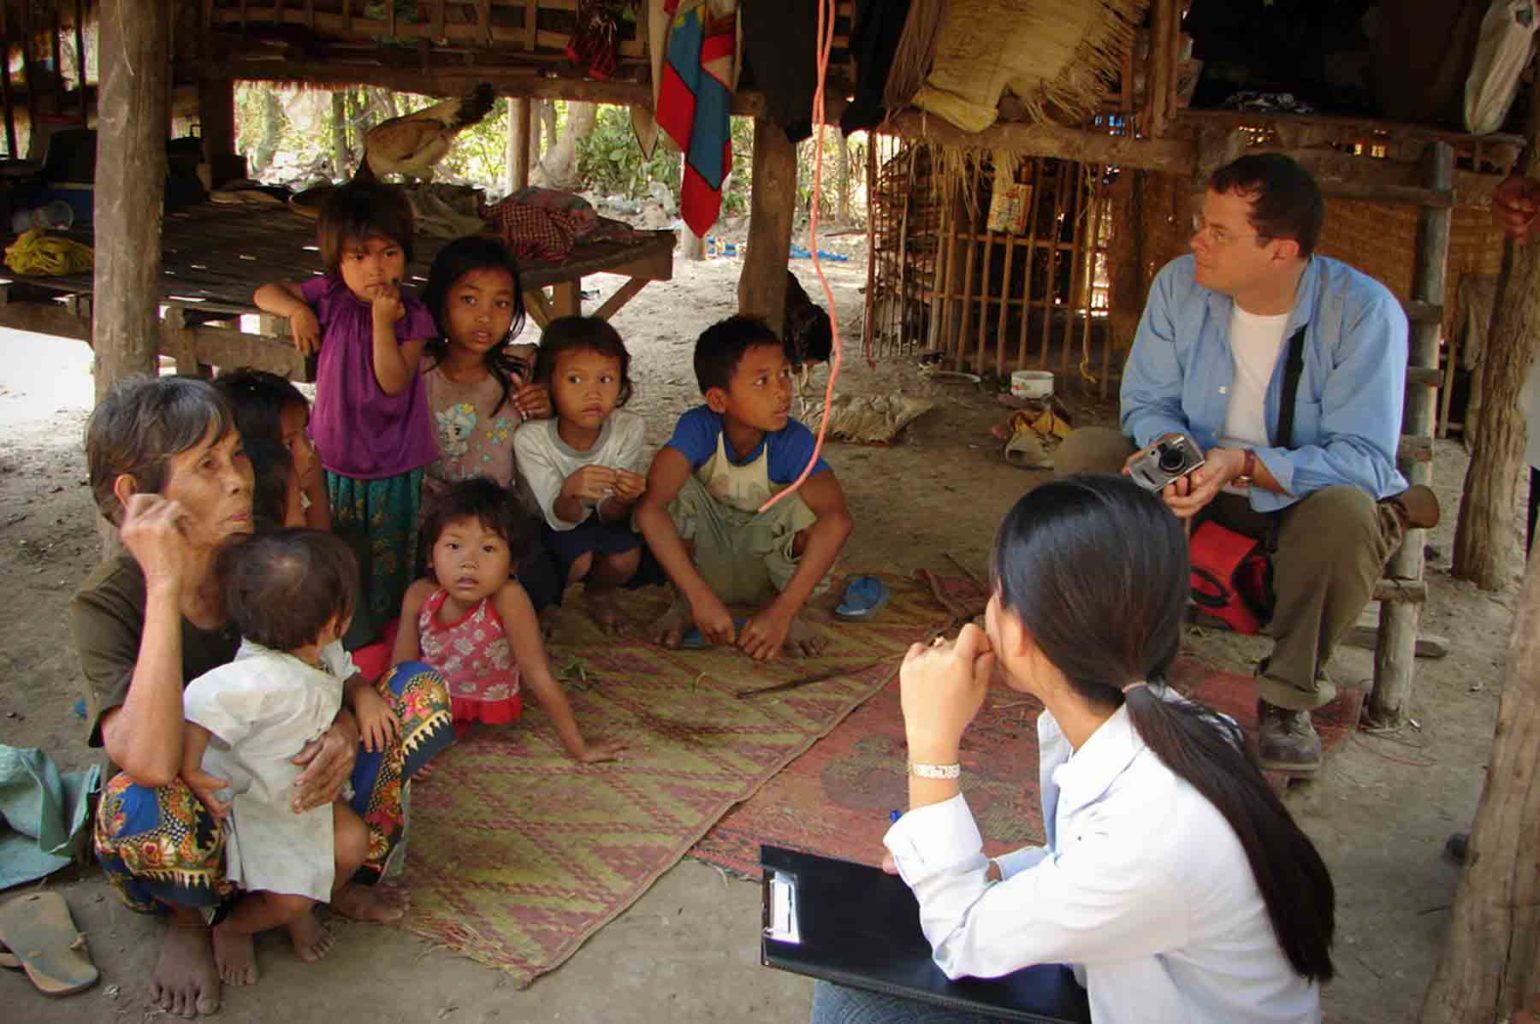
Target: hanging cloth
[[781, 55], [693, 102]]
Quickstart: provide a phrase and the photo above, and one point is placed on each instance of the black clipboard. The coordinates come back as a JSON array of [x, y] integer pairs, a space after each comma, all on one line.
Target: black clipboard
[[859, 926]]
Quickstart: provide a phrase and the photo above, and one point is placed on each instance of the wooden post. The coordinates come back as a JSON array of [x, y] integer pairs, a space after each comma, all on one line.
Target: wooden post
[[1164, 40], [130, 186], [216, 120], [1396, 649], [1484, 538], [1488, 964], [772, 204], [519, 116]]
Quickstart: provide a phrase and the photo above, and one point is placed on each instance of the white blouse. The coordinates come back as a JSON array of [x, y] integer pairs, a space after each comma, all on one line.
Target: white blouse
[[1143, 888]]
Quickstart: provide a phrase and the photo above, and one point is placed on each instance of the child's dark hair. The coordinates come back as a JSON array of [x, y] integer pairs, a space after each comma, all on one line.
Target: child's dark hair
[[1096, 569], [453, 262], [140, 425], [258, 399], [721, 346], [583, 334], [281, 588], [361, 210], [485, 500]]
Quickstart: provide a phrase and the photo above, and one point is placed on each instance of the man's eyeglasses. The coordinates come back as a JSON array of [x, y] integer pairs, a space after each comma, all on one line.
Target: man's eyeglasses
[[1219, 236]]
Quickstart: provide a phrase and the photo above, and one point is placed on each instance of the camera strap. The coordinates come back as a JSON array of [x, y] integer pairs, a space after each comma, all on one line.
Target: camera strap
[[1293, 369]]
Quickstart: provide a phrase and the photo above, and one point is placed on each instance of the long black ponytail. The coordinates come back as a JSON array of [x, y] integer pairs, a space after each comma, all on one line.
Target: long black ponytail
[[1096, 569]]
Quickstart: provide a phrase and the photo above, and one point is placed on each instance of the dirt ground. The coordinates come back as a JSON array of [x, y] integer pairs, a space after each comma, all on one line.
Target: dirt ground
[[687, 951]]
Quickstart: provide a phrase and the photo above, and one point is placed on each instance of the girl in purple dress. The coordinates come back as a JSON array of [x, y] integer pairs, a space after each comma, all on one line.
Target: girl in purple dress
[[370, 424]]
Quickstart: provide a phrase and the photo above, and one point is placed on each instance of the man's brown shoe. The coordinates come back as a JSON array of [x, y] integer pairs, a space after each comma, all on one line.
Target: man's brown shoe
[[1286, 741], [1417, 506]]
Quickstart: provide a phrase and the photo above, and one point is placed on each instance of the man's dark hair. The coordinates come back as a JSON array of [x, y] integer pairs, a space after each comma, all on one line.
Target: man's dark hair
[[140, 425], [485, 500], [1285, 200], [360, 211], [720, 349], [282, 588], [583, 334]]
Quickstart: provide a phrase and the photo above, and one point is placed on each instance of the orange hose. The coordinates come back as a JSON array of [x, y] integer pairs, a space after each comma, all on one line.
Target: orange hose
[[836, 359]]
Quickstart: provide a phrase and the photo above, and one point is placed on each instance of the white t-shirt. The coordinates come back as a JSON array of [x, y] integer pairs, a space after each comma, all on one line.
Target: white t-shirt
[[545, 461], [1256, 342], [262, 709]]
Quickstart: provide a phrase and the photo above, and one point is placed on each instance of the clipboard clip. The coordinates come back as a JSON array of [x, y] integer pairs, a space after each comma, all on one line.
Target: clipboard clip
[[780, 907]]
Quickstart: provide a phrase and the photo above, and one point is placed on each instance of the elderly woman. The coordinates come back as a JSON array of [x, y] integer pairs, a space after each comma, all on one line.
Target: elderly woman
[[1173, 880], [167, 470]]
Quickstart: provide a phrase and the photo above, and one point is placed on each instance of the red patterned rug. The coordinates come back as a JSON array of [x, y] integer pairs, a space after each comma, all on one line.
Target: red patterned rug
[[836, 800], [517, 854]]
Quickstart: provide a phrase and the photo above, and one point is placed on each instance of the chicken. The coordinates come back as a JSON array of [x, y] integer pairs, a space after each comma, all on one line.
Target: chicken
[[411, 144], [808, 336]]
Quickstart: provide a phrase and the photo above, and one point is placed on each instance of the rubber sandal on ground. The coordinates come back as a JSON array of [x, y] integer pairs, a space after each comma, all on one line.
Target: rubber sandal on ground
[[691, 640], [865, 596], [39, 932]]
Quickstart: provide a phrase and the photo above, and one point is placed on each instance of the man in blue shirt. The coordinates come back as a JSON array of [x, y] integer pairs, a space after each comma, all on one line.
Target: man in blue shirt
[[1208, 363]]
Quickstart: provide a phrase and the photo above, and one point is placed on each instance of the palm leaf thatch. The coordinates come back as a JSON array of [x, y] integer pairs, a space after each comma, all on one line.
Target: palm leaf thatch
[[1056, 56]]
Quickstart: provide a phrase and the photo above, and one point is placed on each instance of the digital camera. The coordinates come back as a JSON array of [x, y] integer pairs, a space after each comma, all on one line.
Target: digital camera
[[1164, 461]]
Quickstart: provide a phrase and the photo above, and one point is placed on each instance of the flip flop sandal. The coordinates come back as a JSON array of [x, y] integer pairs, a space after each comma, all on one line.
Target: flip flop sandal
[[38, 931], [691, 640], [865, 596]]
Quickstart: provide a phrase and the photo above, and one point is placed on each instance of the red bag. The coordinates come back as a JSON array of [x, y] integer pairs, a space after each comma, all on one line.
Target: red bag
[[1229, 577]]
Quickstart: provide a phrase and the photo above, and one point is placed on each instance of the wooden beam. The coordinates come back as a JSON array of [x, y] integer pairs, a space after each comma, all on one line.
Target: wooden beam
[[772, 206], [520, 109], [1396, 648], [1174, 155], [1160, 86], [130, 186], [216, 123], [624, 294]]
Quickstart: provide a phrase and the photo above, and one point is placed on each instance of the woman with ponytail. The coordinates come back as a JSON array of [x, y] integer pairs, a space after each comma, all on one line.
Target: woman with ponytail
[[1173, 879]]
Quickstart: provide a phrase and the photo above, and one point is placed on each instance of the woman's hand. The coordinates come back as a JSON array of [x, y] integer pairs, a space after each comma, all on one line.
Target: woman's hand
[[595, 751], [533, 402], [941, 688], [152, 533], [327, 764], [1515, 202]]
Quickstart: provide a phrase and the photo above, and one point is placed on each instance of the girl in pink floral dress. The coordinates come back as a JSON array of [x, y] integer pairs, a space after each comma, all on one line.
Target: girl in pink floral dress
[[475, 625]]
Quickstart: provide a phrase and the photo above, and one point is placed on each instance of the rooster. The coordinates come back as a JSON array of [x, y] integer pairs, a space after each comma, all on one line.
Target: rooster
[[411, 144], [807, 336]]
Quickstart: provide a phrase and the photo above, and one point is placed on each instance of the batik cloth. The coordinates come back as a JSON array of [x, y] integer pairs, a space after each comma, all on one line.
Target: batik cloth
[[378, 519], [160, 847]]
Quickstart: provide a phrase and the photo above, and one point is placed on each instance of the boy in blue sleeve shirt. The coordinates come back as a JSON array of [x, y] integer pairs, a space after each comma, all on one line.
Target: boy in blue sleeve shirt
[[700, 513]]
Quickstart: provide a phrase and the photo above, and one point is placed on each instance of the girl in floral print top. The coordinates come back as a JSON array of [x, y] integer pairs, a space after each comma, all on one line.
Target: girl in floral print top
[[477, 379], [475, 625]]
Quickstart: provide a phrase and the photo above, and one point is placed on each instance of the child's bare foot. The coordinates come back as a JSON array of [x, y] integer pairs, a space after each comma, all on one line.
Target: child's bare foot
[[312, 939], [185, 982], [425, 771], [236, 957], [369, 903], [671, 626], [550, 622], [802, 640], [602, 607]]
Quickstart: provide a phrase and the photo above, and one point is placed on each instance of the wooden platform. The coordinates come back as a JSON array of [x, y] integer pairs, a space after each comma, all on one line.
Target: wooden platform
[[214, 257]]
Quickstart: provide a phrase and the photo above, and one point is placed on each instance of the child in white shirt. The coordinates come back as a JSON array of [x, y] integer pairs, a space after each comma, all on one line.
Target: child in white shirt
[[290, 593], [586, 465]]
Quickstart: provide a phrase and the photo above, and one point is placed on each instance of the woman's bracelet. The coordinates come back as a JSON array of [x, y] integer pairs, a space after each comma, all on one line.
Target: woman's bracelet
[[935, 771]]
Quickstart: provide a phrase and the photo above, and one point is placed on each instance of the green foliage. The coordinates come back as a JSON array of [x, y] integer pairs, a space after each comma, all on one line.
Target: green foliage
[[610, 161]]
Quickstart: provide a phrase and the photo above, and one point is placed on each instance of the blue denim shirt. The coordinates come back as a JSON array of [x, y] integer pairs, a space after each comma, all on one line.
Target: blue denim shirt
[[1347, 414]]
